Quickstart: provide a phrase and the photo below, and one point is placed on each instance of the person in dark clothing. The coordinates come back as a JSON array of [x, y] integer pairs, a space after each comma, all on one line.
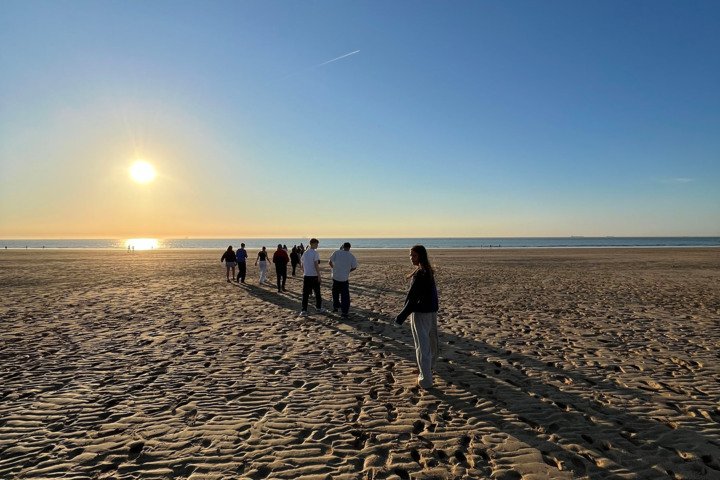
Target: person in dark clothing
[[294, 258], [421, 302], [280, 259], [230, 261], [241, 256]]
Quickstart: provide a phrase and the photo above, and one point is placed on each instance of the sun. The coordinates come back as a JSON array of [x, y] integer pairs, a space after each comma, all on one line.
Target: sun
[[142, 172]]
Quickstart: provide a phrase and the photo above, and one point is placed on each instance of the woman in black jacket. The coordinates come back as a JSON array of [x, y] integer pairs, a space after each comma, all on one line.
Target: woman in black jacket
[[422, 303], [230, 261]]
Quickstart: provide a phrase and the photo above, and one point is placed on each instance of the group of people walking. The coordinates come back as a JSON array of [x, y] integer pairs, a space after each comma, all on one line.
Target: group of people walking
[[238, 259], [421, 302], [235, 259]]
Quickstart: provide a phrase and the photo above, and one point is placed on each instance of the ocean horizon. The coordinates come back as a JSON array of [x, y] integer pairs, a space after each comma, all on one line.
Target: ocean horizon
[[380, 243]]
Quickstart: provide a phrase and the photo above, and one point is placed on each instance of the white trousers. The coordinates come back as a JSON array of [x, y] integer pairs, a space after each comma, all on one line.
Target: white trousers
[[425, 335], [263, 270]]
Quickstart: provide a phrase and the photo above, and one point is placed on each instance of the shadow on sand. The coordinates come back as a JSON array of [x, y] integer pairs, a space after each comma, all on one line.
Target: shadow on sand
[[552, 420]]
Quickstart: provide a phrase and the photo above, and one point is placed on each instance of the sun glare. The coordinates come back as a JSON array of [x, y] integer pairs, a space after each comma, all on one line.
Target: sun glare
[[142, 172], [141, 243]]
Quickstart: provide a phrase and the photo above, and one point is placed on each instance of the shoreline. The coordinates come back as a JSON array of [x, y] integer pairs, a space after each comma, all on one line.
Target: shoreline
[[458, 243], [208, 249]]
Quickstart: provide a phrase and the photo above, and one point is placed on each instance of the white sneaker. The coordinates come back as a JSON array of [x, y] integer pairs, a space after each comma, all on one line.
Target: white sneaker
[[303, 313]]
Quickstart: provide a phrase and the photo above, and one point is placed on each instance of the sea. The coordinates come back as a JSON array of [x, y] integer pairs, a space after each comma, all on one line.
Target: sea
[[389, 243]]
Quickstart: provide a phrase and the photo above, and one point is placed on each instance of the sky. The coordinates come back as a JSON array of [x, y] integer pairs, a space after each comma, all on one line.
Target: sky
[[359, 119]]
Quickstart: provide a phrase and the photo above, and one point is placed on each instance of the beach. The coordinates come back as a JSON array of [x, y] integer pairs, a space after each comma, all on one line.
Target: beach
[[554, 364]]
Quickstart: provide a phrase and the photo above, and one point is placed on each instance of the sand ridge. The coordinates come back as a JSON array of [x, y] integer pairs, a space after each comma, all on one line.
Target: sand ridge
[[554, 364]]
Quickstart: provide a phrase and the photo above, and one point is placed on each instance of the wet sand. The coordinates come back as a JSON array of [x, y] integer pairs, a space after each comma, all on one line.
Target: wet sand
[[592, 363]]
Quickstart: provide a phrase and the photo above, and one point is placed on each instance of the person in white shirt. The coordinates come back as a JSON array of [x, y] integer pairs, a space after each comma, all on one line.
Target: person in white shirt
[[342, 263], [311, 277]]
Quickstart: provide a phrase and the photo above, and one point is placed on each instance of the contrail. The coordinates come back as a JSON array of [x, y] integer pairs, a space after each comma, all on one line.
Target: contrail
[[312, 67], [336, 59]]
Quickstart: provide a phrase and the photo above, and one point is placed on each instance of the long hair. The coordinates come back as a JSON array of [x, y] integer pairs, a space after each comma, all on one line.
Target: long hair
[[423, 260]]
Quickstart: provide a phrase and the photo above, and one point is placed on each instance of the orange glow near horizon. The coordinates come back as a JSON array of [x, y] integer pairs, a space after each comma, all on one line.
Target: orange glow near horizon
[[142, 243]]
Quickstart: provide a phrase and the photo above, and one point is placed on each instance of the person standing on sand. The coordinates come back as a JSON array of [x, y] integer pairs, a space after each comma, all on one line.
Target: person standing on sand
[[311, 277], [262, 258], [294, 258], [230, 261], [342, 263], [281, 259], [241, 256], [422, 303]]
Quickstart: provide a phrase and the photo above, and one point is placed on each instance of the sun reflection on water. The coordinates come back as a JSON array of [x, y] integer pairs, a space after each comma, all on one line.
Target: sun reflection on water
[[142, 243]]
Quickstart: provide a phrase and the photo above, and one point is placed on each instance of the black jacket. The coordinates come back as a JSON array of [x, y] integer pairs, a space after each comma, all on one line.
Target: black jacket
[[228, 256], [422, 296]]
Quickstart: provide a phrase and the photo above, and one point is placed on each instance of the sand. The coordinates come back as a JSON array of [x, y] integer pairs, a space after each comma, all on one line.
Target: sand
[[597, 364]]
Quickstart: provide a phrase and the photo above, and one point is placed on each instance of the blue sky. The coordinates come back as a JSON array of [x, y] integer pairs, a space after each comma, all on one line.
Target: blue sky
[[517, 118]]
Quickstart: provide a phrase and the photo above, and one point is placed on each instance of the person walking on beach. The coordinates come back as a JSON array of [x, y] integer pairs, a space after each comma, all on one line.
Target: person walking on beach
[[241, 256], [262, 259], [422, 303], [294, 258], [281, 259], [311, 277], [229, 258], [342, 263]]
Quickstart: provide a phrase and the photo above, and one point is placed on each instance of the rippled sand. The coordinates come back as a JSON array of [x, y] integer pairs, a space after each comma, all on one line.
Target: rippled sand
[[598, 364]]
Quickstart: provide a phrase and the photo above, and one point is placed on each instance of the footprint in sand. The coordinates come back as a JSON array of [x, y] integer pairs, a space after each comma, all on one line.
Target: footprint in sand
[[303, 435], [360, 438], [261, 472], [373, 462], [135, 450], [391, 412], [74, 452], [352, 414], [373, 394], [415, 455], [426, 443], [414, 399], [190, 417], [402, 473], [460, 457], [441, 455]]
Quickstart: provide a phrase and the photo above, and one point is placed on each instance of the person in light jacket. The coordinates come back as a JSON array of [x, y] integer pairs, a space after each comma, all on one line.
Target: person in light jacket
[[262, 259]]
